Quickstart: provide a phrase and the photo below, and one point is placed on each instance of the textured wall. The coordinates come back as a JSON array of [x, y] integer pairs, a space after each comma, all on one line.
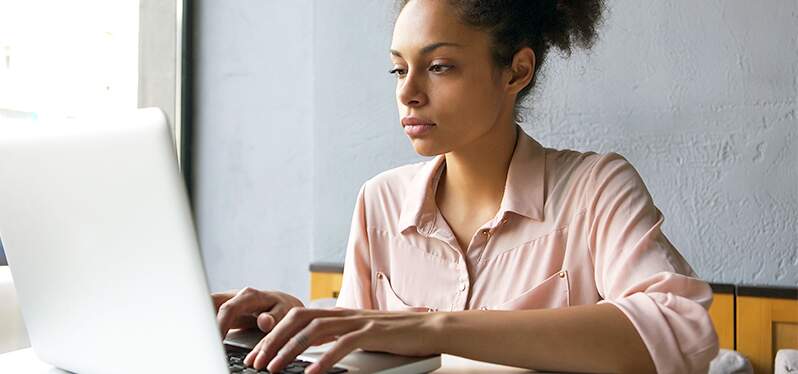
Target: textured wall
[[253, 145], [699, 96]]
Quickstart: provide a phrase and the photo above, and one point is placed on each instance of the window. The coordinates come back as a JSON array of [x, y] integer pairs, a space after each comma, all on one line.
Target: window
[[67, 59]]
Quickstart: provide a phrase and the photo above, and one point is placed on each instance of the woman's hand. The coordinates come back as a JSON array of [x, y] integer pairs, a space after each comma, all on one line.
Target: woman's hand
[[248, 308], [405, 333]]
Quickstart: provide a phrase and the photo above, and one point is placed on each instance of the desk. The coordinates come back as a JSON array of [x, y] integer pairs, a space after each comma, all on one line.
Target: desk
[[12, 329], [24, 361]]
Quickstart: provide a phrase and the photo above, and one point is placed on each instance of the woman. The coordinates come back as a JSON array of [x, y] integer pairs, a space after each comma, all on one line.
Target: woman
[[496, 235]]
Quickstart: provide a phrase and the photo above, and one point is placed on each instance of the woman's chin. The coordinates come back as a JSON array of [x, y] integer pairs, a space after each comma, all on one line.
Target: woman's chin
[[424, 148]]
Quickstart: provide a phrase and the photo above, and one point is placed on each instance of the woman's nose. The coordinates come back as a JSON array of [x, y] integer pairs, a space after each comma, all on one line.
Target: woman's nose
[[410, 93]]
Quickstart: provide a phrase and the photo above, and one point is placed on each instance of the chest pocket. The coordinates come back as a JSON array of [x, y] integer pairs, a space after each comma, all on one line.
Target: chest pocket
[[553, 292], [387, 299]]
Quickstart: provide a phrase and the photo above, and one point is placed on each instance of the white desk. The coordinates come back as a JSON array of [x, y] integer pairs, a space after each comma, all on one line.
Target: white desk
[[12, 329], [24, 361]]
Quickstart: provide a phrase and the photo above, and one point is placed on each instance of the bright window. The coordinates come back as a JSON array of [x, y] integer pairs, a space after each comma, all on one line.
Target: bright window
[[67, 59]]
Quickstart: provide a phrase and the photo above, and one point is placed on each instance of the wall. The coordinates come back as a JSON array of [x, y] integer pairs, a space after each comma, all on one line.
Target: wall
[[700, 97], [253, 143]]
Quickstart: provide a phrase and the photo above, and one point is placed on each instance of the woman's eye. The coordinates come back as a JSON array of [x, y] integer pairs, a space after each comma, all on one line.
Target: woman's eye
[[398, 72], [439, 68]]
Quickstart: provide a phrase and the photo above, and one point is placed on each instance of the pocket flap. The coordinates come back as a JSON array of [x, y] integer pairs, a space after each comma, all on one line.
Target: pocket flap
[[387, 299], [551, 293]]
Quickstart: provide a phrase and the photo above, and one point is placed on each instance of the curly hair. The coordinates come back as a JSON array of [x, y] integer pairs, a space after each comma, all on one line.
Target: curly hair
[[537, 24]]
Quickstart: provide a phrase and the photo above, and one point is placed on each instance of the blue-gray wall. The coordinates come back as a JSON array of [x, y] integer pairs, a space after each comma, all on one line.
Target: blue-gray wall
[[295, 110], [254, 143]]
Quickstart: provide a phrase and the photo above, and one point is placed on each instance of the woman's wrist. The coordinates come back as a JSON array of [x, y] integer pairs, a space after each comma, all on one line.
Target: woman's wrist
[[437, 330]]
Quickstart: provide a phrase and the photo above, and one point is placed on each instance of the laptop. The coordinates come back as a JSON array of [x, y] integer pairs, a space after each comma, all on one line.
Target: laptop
[[99, 237]]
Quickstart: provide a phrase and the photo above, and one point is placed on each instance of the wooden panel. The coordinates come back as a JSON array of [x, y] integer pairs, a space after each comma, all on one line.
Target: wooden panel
[[722, 314], [765, 325], [323, 285]]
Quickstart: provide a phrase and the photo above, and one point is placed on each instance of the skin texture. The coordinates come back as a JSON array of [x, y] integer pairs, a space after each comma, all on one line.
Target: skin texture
[[471, 101]]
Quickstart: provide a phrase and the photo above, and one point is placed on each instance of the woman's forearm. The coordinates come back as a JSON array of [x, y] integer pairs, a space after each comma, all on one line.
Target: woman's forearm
[[588, 338]]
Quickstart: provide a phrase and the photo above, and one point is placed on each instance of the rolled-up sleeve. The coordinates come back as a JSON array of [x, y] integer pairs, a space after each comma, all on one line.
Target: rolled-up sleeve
[[356, 286], [640, 272]]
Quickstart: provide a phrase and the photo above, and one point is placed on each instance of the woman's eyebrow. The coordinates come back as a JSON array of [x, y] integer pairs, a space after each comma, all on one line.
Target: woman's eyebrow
[[429, 48]]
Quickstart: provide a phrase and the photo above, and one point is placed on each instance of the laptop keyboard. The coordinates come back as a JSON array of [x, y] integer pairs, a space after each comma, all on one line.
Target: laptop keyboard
[[235, 361]]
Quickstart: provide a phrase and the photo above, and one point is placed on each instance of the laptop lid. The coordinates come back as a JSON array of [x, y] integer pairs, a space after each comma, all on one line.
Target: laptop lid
[[98, 234]]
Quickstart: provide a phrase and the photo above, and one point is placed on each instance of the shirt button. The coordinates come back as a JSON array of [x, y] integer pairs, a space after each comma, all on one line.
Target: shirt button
[[432, 309], [379, 275], [486, 233], [483, 308], [562, 274]]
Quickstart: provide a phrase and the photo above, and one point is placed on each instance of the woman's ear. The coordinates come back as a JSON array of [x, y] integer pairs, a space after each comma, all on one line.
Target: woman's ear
[[522, 70]]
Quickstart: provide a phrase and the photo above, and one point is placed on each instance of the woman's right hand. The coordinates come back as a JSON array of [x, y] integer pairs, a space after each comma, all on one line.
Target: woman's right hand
[[248, 308]]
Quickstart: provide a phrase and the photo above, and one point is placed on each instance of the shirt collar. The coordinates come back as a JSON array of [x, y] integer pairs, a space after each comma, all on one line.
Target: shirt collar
[[523, 191]]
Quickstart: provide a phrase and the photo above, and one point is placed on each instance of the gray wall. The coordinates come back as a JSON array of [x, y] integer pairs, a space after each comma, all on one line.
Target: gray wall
[[253, 143], [700, 96]]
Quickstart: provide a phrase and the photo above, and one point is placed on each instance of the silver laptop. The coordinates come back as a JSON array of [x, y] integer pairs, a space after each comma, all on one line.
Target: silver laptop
[[99, 237]]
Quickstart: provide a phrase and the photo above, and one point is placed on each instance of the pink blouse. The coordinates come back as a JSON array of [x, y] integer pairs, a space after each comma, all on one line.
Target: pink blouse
[[573, 228]]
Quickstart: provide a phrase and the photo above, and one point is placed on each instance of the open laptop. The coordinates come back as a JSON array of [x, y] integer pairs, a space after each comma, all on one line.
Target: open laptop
[[99, 237]]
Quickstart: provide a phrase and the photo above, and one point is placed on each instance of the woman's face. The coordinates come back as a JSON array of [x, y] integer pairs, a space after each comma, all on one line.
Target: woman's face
[[445, 79]]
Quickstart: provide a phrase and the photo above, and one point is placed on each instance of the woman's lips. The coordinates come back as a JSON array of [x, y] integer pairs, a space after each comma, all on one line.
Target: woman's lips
[[415, 131], [417, 127]]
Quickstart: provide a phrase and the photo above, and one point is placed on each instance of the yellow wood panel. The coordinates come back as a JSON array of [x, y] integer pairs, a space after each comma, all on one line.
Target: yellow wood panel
[[765, 325], [323, 285], [785, 334], [722, 314]]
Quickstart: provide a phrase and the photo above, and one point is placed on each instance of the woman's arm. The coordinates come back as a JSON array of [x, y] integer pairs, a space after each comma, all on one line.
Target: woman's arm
[[589, 338]]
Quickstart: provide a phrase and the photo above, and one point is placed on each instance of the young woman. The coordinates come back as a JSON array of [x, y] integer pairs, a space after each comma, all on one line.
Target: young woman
[[517, 254]]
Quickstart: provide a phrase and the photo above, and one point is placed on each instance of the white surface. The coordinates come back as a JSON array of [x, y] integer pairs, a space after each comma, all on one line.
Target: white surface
[[12, 328], [730, 362], [97, 229], [25, 362], [786, 361]]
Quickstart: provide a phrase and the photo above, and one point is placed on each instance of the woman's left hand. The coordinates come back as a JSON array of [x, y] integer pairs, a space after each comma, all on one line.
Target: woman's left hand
[[404, 333]]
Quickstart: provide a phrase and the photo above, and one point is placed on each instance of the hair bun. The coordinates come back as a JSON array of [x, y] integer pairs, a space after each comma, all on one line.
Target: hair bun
[[572, 23]]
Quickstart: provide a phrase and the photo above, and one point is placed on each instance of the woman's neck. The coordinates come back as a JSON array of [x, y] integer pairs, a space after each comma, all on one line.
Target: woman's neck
[[477, 173]]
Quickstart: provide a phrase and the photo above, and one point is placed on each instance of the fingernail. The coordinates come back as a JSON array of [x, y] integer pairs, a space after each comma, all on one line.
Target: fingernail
[[272, 366], [258, 359]]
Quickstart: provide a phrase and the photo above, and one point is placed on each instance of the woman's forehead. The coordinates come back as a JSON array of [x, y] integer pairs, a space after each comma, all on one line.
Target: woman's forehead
[[423, 23]]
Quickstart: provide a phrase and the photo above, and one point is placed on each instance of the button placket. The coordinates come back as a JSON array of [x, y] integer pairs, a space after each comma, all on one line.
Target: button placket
[[461, 295]]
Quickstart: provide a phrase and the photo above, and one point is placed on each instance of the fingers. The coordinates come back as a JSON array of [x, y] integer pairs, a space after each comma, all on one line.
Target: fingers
[[345, 345], [300, 329], [220, 298], [316, 331], [267, 320], [244, 304]]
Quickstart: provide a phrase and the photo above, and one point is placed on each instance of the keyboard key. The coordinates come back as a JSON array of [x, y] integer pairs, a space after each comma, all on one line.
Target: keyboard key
[[235, 360]]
